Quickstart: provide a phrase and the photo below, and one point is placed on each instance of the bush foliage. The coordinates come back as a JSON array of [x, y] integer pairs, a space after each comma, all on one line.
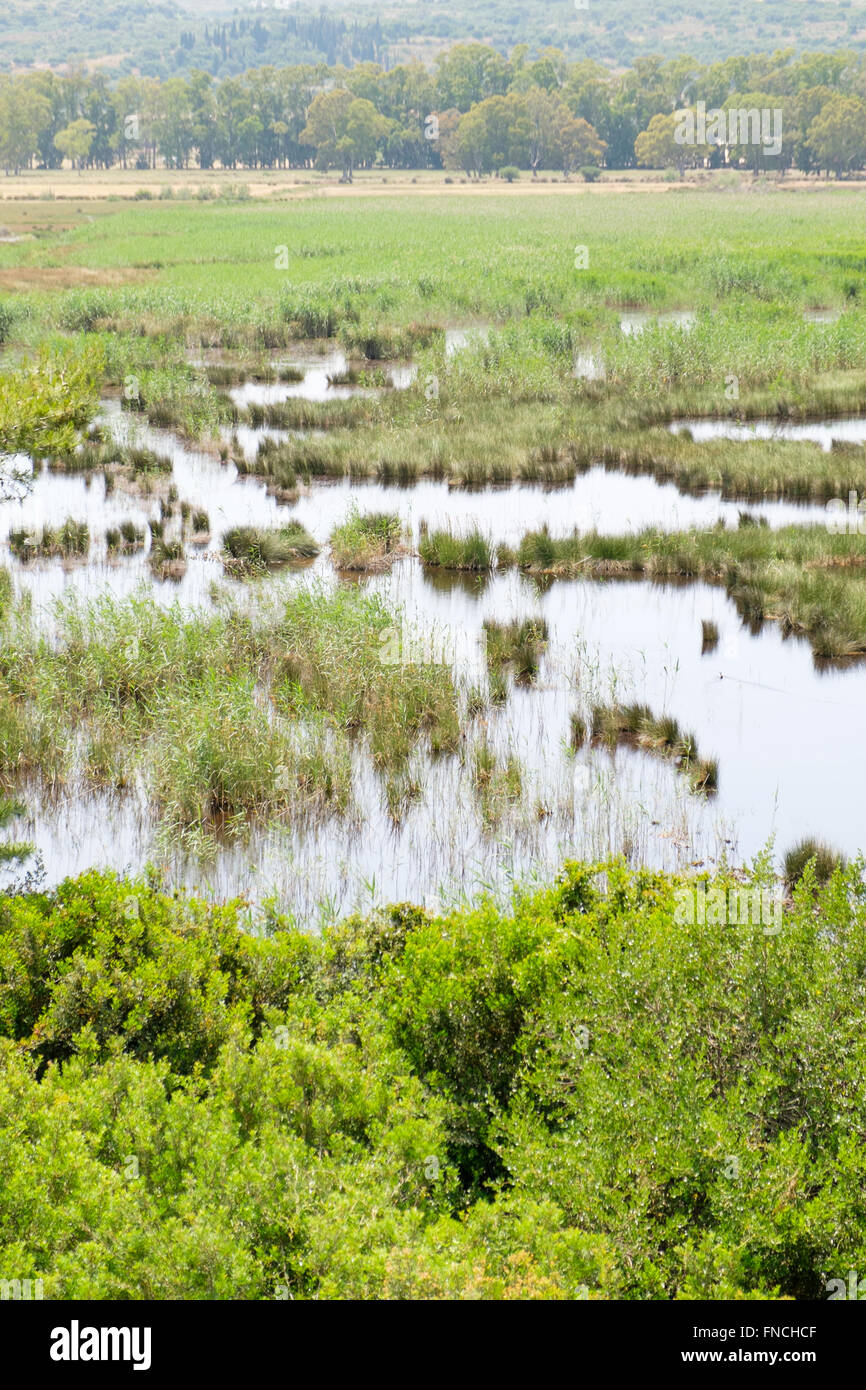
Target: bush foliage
[[579, 1096]]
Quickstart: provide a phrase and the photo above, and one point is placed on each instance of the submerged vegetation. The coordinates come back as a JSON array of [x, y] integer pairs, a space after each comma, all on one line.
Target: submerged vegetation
[[227, 716], [637, 726], [71, 539]]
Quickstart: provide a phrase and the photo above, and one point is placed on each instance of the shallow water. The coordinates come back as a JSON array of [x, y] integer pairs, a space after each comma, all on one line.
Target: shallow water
[[458, 338], [780, 728], [599, 499], [636, 320], [315, 386], [781, 732], [588, 366], [849, 429]]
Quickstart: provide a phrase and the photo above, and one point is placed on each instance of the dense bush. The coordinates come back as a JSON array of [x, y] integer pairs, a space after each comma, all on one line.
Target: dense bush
[[580, 1096]]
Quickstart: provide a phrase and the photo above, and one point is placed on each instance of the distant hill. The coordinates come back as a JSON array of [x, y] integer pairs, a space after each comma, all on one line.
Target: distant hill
[[123, 36]]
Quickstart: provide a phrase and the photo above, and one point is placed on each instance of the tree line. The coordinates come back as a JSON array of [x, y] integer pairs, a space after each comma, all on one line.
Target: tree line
[[475, 110]]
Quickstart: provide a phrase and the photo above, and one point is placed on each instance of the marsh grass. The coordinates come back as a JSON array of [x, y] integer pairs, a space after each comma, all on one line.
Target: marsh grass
[[661, 735], [251, 549], [219, 757], [98, 453], [349, 376], [196, 522], [298, 413], [166, 558], [402, 790], [444, 550], [71, 540], [144, 460], [276, 461], [741, 469], [578, 731], [515, 646], [227, 717], [177, 398], [824, 860], [497, 783], [370, 542], [226, 374], [124, 539], [333, 654]]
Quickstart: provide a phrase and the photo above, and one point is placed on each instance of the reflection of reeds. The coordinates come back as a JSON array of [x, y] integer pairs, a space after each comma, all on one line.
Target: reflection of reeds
[[709, 636], [809, 580], [659, 734]]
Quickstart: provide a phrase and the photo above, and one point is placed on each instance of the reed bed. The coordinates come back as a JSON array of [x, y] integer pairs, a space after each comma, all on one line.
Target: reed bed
[[297, 413], [637, 726], [124, 539], [252, 550], [516, 647], [367, 543], [70, 540], [497, 782], [166, 557], [444, 550], [224, 718]]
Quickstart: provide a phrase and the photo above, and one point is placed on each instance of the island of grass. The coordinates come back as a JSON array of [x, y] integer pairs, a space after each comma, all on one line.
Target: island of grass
[[253, 550], [70, 540], [637, 726], [369, 543]]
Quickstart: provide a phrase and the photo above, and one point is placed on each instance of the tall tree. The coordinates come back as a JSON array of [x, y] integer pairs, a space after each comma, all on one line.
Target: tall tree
[[837, 135]]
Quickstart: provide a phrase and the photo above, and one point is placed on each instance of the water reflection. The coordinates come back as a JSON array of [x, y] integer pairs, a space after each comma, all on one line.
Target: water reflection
[[849, 430]]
